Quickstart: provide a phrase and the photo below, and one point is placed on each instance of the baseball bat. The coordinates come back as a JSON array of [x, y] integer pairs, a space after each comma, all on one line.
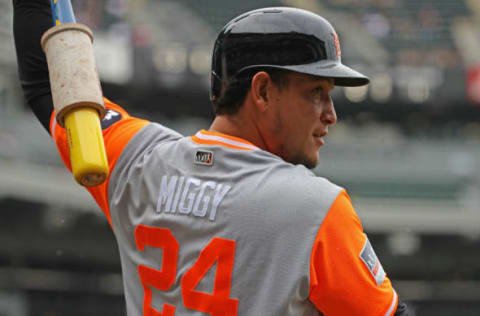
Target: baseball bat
[[80, 112]]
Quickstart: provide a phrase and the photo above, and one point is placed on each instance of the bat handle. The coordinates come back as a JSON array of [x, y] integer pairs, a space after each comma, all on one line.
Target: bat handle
[[77, 99], [85, 142], [62, 12]]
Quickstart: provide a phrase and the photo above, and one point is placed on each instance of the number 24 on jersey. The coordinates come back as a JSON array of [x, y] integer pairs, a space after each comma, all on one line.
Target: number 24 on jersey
[[218, 250]]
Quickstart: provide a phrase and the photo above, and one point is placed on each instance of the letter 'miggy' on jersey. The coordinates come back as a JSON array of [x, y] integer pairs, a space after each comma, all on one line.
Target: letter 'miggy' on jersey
[[201, 197]]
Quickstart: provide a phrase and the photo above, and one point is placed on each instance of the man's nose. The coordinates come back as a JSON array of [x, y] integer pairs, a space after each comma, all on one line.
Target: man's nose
[[329, 116]]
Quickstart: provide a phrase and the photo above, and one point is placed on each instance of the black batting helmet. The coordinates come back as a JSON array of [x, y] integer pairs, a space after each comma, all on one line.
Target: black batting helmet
[[280, 37]]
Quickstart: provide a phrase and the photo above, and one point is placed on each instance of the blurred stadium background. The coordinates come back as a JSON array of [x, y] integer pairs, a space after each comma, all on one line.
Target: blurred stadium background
[[407, 147]]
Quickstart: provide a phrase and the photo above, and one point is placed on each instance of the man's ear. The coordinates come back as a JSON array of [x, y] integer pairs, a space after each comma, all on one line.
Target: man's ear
[[260, 90]]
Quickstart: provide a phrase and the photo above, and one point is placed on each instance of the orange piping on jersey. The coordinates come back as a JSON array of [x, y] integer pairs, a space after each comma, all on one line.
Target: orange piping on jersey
[[213, 142], [340, 282], [214, 138], [393, 306], [236, 139]]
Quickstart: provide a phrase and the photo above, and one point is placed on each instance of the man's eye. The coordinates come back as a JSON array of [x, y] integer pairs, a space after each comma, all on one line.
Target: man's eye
[[318, 93]]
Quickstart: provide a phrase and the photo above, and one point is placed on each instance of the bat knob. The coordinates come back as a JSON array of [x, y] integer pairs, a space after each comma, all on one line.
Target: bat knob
[[93, 179]]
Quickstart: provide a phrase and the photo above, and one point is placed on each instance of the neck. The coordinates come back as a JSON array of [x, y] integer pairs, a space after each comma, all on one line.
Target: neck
[[238, 125]]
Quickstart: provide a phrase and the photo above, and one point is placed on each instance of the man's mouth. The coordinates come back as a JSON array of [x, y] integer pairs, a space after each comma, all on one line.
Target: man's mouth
[[319, 139]]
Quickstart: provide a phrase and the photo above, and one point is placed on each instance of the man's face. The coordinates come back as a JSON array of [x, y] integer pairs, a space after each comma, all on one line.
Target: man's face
[[299, 120]]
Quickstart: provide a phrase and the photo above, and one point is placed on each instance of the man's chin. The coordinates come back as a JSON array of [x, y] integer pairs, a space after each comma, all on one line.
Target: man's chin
[[308, 162]]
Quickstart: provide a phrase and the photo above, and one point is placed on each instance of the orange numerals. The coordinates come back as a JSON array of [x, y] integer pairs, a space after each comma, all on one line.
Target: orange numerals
[[218, 250], [164, 279], [219, 302]]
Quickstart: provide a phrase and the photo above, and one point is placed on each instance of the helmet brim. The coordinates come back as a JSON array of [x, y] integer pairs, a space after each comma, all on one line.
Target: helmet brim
[[344, 76]]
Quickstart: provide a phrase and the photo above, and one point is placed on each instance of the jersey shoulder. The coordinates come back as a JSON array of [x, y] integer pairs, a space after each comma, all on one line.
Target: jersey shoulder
[[293, 188], [144, 142], [296, 181]]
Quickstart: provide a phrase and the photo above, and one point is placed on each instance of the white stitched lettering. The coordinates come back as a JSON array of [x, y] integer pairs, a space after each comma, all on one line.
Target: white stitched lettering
[[177, 195], [167, 189], [189, 195], [206, 199], [220, 193]]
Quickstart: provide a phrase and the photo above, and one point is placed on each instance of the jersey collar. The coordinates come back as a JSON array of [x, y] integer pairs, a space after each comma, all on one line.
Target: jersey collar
[[213, 138]]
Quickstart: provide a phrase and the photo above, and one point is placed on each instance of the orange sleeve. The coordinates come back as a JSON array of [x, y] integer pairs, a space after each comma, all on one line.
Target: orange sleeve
[[118, 128], [346, 277]]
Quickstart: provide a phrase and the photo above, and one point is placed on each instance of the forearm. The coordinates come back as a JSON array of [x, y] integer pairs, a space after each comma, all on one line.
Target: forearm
[[402, 309], [31, 19]]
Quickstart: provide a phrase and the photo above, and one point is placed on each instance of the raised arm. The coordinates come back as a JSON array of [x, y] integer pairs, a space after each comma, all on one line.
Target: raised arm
[[31, 18]]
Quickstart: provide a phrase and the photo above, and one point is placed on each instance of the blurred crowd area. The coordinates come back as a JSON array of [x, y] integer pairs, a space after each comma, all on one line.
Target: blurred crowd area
[[422, 56], [415, 32], [407, 147]]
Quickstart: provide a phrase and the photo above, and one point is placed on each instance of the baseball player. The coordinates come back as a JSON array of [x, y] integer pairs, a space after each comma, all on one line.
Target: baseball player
[[231, 221]]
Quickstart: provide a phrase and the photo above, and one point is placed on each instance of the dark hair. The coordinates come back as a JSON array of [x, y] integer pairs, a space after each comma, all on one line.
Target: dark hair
[[234, 93]]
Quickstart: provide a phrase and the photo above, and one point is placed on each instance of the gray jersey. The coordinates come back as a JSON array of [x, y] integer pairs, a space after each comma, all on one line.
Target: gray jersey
[[213, 225]]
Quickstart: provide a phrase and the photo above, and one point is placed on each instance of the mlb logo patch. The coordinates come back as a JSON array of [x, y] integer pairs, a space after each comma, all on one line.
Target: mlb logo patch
[[370, 259], [203, 157]]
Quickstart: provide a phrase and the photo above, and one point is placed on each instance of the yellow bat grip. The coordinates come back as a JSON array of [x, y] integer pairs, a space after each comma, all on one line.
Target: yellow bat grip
[[87, 150]]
